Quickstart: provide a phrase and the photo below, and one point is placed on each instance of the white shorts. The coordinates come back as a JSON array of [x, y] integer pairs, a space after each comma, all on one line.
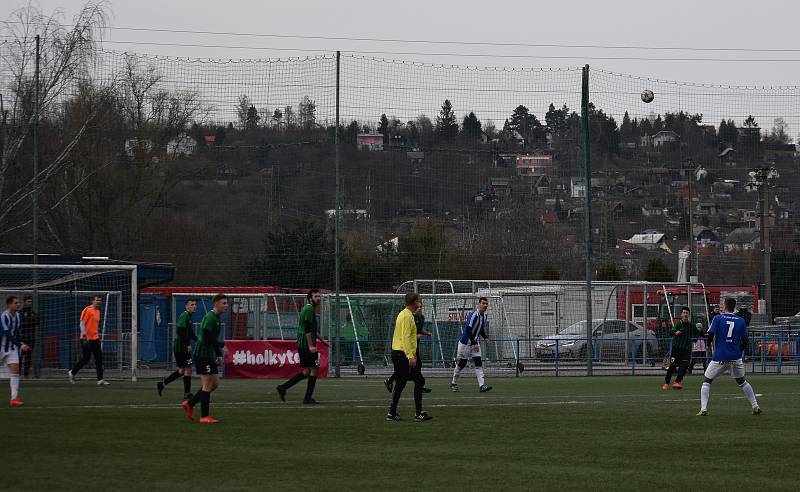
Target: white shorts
[[468, 351], [10, 357], [716, 368]]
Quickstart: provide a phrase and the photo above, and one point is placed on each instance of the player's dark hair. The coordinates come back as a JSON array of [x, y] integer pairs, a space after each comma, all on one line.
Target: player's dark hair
[[311, 293], [97, 296], [411, 298], [191, 299], [218, 297], [730, 304], [27, 298], [685, 308], [11, 299], [482, 299]]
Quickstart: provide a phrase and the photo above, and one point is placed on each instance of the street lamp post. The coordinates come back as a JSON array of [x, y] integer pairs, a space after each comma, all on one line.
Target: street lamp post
[[761, 179], [693, 173]]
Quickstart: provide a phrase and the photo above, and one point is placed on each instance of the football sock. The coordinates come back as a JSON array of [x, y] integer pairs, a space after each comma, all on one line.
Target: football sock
[[705, 394], [418, 398], [295, 379], [456, 374], [749, 393], [172, 377], [13, 381], [205, 403], [312, 381], [479, 375], [196, 398], [187, 384], [670, 372]]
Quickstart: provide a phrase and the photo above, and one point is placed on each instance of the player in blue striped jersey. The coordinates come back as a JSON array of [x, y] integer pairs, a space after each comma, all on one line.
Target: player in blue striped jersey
[[728, 335], [10, 344], [470, 347]]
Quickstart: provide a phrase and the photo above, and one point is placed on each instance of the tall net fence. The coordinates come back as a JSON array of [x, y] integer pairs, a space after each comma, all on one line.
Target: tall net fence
[[226, 168]]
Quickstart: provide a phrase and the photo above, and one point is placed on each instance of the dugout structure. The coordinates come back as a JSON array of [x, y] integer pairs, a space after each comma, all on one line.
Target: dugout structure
[[60, 292]]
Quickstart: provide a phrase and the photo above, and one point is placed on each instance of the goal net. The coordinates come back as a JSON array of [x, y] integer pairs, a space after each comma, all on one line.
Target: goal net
[[58, 294]]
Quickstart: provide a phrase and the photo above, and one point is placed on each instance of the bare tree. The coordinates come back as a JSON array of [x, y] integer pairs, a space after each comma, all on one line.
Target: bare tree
[[64, 57]]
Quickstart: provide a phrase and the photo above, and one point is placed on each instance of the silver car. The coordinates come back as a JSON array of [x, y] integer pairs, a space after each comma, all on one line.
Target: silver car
[[609, 337]]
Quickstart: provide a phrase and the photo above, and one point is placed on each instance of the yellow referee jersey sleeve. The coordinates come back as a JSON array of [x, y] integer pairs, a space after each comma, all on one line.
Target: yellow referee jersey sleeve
[[405, 334]]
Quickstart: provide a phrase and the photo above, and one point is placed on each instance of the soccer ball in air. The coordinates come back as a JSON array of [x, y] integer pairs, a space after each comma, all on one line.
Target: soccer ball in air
[[647, 96]]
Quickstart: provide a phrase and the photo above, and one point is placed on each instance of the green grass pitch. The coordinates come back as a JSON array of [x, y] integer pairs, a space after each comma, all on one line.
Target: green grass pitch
[[530, 433]]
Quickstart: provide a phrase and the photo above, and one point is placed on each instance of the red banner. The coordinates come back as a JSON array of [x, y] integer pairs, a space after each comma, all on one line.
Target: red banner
[[268, 359]]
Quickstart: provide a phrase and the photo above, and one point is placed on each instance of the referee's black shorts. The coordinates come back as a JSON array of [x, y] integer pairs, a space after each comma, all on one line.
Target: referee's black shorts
[[400, 363]]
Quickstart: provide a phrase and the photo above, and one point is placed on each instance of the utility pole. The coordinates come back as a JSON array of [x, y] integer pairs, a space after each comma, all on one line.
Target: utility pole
[[766, 250], [692, 239], [760, 179]]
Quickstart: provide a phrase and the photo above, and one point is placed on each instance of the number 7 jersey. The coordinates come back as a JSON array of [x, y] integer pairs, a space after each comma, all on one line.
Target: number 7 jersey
[[730, 334]]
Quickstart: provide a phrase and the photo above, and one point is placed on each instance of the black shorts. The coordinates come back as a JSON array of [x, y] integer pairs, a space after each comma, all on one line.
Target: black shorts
[[680, 355], [308, 359], [183, 359], [206, 366]]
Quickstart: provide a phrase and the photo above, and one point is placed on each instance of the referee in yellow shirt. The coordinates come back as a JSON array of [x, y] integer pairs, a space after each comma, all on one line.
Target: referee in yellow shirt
[[404, 359]]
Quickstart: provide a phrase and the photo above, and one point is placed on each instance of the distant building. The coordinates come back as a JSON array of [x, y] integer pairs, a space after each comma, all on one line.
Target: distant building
[[661, 138], [181, 145], [742, 239], [500, 186], [358, 213], [138, 146], [369, 141], [705, 237], [577, 187], [534, 165], [648, 240], [707, 208]]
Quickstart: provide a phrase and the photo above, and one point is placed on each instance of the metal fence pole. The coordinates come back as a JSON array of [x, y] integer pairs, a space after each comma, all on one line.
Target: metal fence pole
[[587, 159], [35, 199], [337, 260]]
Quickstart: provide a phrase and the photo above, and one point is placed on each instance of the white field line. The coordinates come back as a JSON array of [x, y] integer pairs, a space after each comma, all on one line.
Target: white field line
[[382, 402]]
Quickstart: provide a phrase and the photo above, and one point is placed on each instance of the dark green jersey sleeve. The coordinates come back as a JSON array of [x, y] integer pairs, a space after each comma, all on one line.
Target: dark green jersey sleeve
[[307, 324], [419, 320], [208, 341], [184, 334]]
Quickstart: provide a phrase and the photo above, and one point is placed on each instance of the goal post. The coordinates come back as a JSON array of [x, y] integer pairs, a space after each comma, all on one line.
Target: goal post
[[60, 292]]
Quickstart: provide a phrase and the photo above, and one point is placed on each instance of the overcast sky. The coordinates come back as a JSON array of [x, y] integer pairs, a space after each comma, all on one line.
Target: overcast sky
[[709, 24]]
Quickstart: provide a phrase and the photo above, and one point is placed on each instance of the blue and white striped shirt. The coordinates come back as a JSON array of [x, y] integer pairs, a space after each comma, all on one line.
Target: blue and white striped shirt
[[474, 326], [9, 331]]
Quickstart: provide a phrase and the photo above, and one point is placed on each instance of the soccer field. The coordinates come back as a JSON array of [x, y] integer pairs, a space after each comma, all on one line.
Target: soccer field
[[528, 433]]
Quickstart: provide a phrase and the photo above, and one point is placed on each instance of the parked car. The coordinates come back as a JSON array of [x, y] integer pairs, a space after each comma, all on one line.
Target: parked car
[[788, 320], [609, 336]]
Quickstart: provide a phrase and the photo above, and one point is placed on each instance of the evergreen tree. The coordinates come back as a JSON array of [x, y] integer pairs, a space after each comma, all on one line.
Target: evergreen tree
[[252, 118], [471, 128], [446, 124], [528, 126]]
